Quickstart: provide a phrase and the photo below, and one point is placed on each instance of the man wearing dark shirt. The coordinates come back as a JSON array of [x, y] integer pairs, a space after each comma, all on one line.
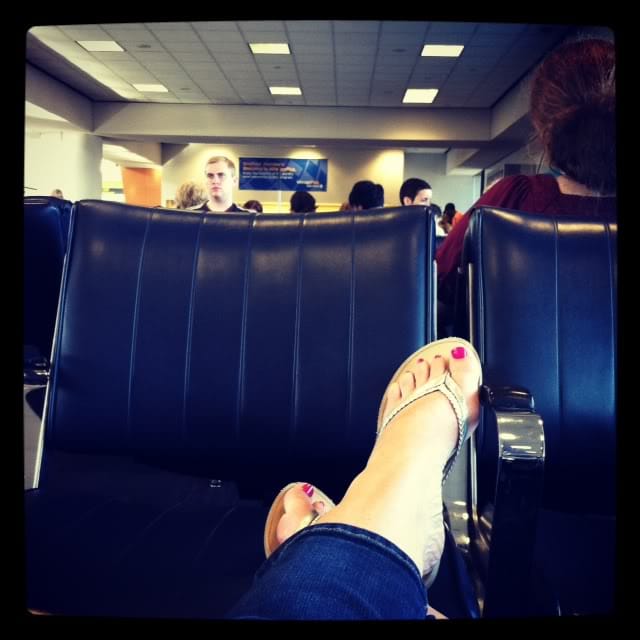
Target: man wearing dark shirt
[[220, 175]]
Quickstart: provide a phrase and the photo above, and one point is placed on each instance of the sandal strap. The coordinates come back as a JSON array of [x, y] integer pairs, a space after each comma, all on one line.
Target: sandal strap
[[446, 385]]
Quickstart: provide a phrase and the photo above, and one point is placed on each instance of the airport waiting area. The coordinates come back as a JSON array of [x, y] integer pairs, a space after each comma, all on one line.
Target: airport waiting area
[[180, 368]]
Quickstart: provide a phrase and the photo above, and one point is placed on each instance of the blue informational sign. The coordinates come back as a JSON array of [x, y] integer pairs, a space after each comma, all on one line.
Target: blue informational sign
[[283, 174]]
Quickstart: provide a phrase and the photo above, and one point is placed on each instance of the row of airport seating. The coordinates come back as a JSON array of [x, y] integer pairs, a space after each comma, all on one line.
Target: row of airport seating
[[200, 362]]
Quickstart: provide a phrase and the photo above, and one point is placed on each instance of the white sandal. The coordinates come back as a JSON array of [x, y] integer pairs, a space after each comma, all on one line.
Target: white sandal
[[446, 385]]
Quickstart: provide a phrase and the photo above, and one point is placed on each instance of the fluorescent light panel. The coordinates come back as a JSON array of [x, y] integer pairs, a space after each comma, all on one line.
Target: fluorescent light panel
[[151, 88], [281, 48], [442, 50], [100, 45], [422, 96], [285, 91]]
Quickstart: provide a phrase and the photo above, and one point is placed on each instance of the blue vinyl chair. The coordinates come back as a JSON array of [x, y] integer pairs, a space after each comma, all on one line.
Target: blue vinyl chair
[[541, 295], [201, 362]]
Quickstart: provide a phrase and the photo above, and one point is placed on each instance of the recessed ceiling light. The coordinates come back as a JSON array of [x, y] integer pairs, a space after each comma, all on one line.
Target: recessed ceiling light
[[100, 45], [442, 50], [271, 47], [424, 96], [285, 91], [151, 88]]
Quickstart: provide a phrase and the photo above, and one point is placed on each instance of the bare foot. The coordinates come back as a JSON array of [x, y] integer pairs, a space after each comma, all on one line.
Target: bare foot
[[465, 370], [399, 493], [299, 510]]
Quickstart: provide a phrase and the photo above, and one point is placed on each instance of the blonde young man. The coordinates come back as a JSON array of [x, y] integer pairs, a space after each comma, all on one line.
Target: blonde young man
[[220, 179]]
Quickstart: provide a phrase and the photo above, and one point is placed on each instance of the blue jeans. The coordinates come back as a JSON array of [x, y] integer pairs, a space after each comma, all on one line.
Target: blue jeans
[[335, 572]]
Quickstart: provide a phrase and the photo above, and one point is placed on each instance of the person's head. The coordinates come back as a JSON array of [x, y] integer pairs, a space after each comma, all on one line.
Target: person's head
[[366, 195], [415, 191], [189, 194], [57, 193], [302, 202], [449, 211], [220, 174], [253, 205], [573, 104]]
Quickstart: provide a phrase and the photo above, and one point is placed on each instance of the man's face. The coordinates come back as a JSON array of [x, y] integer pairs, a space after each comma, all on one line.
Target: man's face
[[423, 197], [220, 182]]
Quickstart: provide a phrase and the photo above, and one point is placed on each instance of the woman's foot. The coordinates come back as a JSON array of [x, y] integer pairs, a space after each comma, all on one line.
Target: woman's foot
[[299, 509], [440, 426], [399, 493]]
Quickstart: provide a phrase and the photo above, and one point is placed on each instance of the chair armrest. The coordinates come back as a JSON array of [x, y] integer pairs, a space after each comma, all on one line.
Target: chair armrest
[[504, 525]]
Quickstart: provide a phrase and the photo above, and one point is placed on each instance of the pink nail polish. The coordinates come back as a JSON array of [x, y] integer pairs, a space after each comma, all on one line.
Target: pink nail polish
[[458, 353], [308, 489]]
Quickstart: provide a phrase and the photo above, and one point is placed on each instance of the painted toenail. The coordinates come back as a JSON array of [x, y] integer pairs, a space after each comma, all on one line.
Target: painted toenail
[[308, 489], [420, 360], [458, 353]]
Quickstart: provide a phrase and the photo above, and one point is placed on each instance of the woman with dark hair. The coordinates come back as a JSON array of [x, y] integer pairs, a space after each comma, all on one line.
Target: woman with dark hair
[[573, 111], [302, 202], [366, 195], [253, 205]]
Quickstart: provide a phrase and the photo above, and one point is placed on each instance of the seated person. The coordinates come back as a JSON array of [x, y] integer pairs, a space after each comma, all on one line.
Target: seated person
[[253, 205], [449, 217], [302, 202], [189, 194], [415, 191], [573, 110], [366, 195]]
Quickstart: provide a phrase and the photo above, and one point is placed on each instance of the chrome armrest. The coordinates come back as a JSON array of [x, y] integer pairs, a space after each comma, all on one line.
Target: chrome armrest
[[506, 497]]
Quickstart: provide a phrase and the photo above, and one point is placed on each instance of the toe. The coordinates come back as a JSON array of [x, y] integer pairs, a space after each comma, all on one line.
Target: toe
[[297, 500], [465, 370], [297, 507], [407, 382], [437, 367], [420, 370]]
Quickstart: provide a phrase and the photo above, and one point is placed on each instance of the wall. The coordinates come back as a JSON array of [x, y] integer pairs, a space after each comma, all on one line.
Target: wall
[[66, 160], [463, 191], [345, 167], [142, 186], [529, 154]]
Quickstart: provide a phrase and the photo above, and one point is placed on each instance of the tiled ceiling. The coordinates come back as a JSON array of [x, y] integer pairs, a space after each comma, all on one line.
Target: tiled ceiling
[[334, 62]]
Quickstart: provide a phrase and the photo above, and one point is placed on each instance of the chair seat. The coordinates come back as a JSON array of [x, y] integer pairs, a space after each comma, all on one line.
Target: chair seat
[[189, 546]]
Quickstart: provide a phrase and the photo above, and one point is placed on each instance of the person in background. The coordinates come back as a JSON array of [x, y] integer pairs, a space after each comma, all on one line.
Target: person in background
[[345, 206], [220, 174], [253, 205], [366, 195], [415, 191], [302, 202], [190, 194], [441, 234], [57, 193], [450, 217], [573, 111]]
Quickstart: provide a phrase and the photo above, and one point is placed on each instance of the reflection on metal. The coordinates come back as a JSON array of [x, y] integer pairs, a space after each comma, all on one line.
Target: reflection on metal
[[520, 436], [455, 497]]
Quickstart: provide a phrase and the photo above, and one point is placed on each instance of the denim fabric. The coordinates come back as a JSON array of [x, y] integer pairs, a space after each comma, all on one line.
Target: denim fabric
[[335, 572]]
